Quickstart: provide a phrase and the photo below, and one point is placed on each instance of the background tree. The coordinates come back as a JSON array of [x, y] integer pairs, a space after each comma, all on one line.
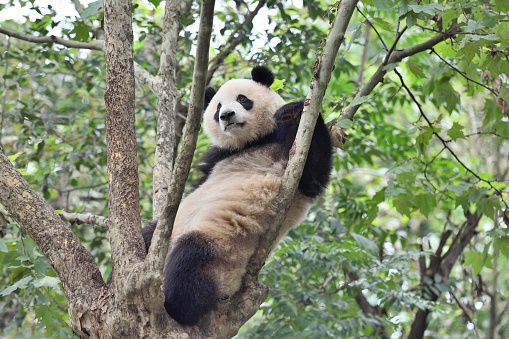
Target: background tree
[[411, 237]]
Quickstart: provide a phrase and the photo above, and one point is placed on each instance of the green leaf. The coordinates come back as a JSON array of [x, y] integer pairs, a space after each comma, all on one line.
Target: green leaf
[[403, 205], [430, 9], [359, 100], [425, 202], [92, 9], [379, 196], [393, 190], [81, 31], [488, 205], [448, 16], [502, 244], [504, 94], [345, 123], [502, 32], [47, 281], [411, 19], [474, 259], [365, 243], [456, 131], [460, 188], [390, 67], [468, 50], [422, 140], [384, 5], [445, 93], [155, 2], [278, 84], [13, 157], [501, 5], [416, 69], [18, 284], [3, 245]]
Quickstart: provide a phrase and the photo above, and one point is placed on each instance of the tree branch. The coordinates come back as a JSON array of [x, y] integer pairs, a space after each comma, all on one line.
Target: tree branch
[[322, 73], [97, 45], [463, 74], [442, 265], [394, 57], [366, 307], [89, 219], [146, 78], [444, 142], [52, 236], [466, 315], [160, 243], [127, 246], [168, 96], [233, 41]]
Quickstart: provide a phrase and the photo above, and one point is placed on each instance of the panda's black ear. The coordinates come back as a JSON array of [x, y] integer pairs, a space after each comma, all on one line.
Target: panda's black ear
[[209, 94], [262, 75]]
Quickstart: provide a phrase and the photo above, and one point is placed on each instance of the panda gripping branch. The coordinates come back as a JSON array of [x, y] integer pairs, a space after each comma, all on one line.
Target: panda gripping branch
[[218, 226]]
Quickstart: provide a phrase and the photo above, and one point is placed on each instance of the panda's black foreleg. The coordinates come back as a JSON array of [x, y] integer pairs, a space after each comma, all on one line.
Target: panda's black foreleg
[[189, 293], [147, 232], [316, 173]]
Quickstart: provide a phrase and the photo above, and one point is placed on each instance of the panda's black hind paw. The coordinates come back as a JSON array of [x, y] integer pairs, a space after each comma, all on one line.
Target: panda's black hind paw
[[291, 111]]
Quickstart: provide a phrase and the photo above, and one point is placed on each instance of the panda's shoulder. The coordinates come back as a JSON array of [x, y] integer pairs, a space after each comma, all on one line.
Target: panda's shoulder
[[208, 162]]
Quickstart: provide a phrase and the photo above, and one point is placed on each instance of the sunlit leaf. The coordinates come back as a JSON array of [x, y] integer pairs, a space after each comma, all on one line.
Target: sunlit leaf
[[456, 131]]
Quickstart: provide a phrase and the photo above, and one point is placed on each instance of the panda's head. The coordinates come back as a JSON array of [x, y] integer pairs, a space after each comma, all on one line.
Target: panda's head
[[242, 110]]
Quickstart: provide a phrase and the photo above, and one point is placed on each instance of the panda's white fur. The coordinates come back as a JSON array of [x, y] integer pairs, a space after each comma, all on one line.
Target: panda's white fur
[[219, 225], [259, 119]]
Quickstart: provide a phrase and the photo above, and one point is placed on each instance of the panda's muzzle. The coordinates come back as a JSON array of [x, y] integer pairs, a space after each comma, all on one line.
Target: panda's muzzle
[[228, 119], [227, 116]]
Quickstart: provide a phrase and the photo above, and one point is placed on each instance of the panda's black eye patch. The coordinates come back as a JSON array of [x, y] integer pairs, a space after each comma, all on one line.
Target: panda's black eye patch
[[216, 115], [245, 102]]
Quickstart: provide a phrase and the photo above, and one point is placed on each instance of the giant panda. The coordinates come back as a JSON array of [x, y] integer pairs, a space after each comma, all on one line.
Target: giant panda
[[218, 226]]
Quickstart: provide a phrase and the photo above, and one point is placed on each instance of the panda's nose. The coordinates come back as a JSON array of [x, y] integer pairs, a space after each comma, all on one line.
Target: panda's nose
[[226, 116]]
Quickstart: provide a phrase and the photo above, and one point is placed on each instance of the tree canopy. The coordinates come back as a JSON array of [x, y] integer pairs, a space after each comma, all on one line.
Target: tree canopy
[[411, 237]]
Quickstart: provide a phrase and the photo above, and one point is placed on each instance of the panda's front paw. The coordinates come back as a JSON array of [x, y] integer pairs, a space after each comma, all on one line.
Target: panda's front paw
[[291, 111]]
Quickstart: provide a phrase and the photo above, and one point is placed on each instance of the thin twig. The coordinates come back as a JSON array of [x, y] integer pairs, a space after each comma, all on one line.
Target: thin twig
[[444, 142], [374, 28], [394, 44], [463, 73], [464, 309], [393, 57], [235, 38]]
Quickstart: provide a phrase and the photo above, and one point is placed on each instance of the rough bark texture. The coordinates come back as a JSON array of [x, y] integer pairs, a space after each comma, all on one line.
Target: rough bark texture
[[168, 96], [124, 211], [159, 247]]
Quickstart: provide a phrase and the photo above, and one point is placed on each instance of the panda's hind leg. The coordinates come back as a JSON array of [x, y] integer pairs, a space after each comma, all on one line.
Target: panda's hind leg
[[188, 291]]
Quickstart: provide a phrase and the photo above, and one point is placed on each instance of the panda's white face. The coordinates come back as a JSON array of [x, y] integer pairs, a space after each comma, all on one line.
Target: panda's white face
[[241, 111]]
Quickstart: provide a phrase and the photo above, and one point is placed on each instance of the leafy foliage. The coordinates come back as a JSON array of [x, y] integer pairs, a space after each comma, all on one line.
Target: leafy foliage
[[425, 150]]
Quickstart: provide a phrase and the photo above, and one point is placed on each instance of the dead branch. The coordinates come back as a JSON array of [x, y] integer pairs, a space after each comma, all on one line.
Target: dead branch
[[97, 45]]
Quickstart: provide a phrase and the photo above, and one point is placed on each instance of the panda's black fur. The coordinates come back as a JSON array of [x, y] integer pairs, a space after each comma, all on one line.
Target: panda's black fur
[[212, 243]]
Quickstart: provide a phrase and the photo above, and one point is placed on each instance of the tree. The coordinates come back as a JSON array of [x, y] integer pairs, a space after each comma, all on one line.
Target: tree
[[370, 235]]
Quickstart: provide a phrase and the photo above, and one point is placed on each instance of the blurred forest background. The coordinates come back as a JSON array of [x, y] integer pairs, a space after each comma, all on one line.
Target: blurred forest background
[[412, 232]]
